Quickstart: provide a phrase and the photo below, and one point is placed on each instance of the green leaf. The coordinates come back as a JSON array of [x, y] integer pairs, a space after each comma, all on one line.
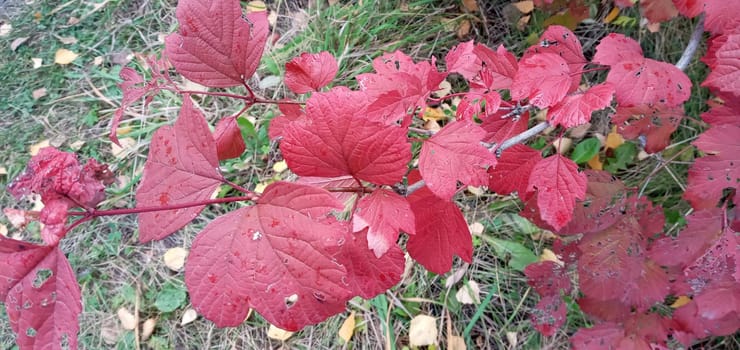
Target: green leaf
[[585, 150], [623, 155], [170, 298], [520, 256]]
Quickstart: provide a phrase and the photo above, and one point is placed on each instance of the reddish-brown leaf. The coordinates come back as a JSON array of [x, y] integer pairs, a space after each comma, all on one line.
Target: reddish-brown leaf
[[655, 123], [548, 278], [549, 315], [216, 45], [275, 257], [384, 213], [725, 67], [544, 79], [310, 72], [657, 11], [182, 167], [367, 274], [558, 184], [513, 169], [718, 169], [229, 141]]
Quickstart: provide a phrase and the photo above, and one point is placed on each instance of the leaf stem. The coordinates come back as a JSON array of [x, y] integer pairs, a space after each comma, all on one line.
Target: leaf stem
[[139, 210]]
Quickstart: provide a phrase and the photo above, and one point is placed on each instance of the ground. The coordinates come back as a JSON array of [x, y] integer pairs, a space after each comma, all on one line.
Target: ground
[[74, 110]]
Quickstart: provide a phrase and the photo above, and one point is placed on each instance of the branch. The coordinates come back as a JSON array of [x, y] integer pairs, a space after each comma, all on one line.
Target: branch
[[688, 53], [139, 210], [525, 135]]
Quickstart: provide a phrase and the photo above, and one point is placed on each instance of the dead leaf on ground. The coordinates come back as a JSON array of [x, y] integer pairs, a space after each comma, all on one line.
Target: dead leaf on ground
[[348, 328], [423, 331], [280, 166], [38, 93], [64, 57], [174, 258], [98, 60], [148, 328], [35, 148], [614, 139], [67, 40], [612, 15], [278, 334], [17, 42], [433, 113], [188, 316], [476, 228], [5, 29], [3, 170], [464, 29], [128, 320], [522, 22], [524, 6], [470, 5], [469, 293], [110, 331], [36, 62], [549, 255], [432, 125], [562, 145], [680, 301], [595, 163], [3, 230], [77, 145], [512, 338], [122, 151], [455, 342]]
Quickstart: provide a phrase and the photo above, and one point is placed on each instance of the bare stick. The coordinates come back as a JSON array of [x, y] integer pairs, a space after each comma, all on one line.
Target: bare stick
[[688, 53]]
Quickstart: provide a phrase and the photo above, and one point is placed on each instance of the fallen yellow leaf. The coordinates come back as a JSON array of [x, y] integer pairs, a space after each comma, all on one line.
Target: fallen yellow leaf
[[256, 6], [278, 334], [64, 56], [280, 166], [612, 15], [469, 293], [433, 113], [595, 163], [128, 320], [35, 148], [549, 255], [348, 328], [524, 6], [681, 301], [423, 331], [614, 139], [148, 328], [188, 316], [455, 342], [174, 258]]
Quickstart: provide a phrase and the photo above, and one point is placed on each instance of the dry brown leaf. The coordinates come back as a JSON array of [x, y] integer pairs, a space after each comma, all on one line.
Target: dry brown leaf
[[3, 230], [595, 163], [680, 301], [17, 42], [64, 56], [423, 331], [562, 145], [613, 139], [256, 6], [188, 316], [455, 342], [464, 29], [35, 148], [128, 320], [36, 62], [522, 22], [174, 258], [68, 40], [476, 228], [5, 29], [280, 166], [3, 170], [512, 338], [432, 125], [38, 93], [469, 293], [613, 14], [148, 328], [278, 334], [524, 6], [122, 151], [110, 331], [470, 5], [348, 328]]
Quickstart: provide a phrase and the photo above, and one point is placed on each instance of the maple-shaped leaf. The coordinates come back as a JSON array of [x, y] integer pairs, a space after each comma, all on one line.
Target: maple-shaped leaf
[[689, 8], [229, 140], [513, 169], [275, 257], [290, 113], [657, 11], [548, 278], [561, 41], [462, 59], [558, 184], [725, 70], [655, 123], [576, 108], [41, 294], [703, 230], [399, 85], [639, 80], [441, 231], [544, 79], [720, 16], [718, 169], [455, 154], [722, 112], [384, 213], [310, 72], [471, 105], [216, 45], [500, 127], [369, 275], [690, 324], [334, 140], [182, 167], [549, 315], [501, 66], [601, 336]]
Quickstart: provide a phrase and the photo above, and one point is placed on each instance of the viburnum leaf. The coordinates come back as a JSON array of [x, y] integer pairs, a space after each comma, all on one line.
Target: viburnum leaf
[[689, 8], [576, 108], [639, 80], [718, 169], [334, 140], [331, 182], [513, 169], [544, 79], [41, 294], [275, 257], [182, 167], [725, 70], [499, 129], [601, 336], [310, 72], [654, 122], [549, 315], [561, 41], [558, 184], [470, 105], [384, 213], [455, 154], [657, 11], [548, 278], [229, 141], [368, 274], [725, 112], [720, 15], [462, 59], [216, 45], [703, 229], [441, 231], [291, 113], [501, 66]]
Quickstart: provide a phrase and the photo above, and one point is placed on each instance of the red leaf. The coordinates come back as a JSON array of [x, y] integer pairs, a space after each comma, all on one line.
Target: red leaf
[[561, 41], [441, 231], [310, 72], [499, 129], [369, 275], [462, 59], [558, 184], [275, 257], [384, 213], [454, 153], [512, 171], [501, 65], [601, 336], [689, 8], [548, 278], [544, 79], [229, 141], [216, 46], [655, 123], [721, 16], [576, 108], [639, 80], [725, 69], [182, 167], [291, 113], [42, 297], [657, 11], [333, 140], [470, 105], [331, 182], [549, 315], [718, 169], [703, 230]]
